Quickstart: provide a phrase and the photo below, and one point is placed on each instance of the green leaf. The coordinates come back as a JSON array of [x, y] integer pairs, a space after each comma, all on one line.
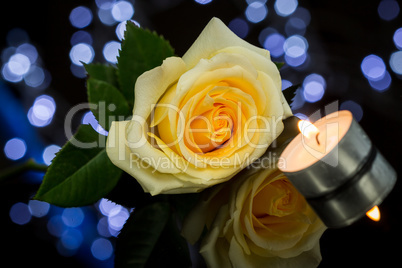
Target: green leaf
[[103, 72], [289, 93], [141, 50], [140, 234], [279, 65], [108, 104], [78, 176]]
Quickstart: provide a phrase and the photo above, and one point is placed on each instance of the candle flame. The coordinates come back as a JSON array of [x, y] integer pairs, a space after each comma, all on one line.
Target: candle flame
[[374, 213], [307, 129]]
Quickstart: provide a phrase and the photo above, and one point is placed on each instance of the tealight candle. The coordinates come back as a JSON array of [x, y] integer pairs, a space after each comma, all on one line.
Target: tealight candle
[[335, 166]]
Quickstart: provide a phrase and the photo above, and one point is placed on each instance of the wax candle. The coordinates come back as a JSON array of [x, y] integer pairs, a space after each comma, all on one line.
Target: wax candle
[[337, 169]]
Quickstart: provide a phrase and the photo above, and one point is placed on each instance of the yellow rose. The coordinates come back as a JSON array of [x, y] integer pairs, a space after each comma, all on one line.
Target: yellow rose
[[256, 220], [198, 120]]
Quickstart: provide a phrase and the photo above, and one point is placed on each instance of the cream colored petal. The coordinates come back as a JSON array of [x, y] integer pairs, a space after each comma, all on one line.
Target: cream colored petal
[[150, 179], [151, 85], [215, 36], [214, 247]]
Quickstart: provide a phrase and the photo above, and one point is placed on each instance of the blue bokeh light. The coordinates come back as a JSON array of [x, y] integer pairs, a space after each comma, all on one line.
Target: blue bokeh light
[[398, 38], [286, 84], [71, 239], [382, 84], [15, 148], [354, 108], [102, 249], [10, 76], [388, 9], [38, 209], [19, 64], [285, 7], [396, 62], [295, 46], [373, 67], [80, 17], [89, 119], [20, 214], [49, 153], [35, 77], [203, 2], [81, 37], [256, 12], [239, 27], [29, 51], [72, 217], [56, 226], [111, 51], [314, 87], [42, 111], [274, 43], [122, 11], [105, 4], [81, 53], [303, 14], [295, 26], [106, 17]]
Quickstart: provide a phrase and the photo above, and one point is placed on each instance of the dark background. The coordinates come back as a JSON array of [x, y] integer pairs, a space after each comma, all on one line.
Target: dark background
[[341, 33]]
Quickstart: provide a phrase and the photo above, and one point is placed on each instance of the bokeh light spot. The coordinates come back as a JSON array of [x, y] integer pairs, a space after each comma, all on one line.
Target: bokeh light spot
[[72, 217], [81, 52], [203, 2], [111, 51], [81, 37], [102, 249], [49, 153], [314, 87], [285, 7], [15, 148], [295, 46], [105, 4], [42, 111], [239, 27], [354, 108], [35, 77], [396, 62], [122, 11], [20, 214], [286, 84], [388, 9], [29, 51], [19, 64], [274, 43], [80, 17], [383, 84], [398, 38], [373, 67], [256, 12], [106, 17], [71, 239], [38, 209]]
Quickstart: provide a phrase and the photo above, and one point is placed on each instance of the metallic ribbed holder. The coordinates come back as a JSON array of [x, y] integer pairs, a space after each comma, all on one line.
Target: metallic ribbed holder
[[343, 193]]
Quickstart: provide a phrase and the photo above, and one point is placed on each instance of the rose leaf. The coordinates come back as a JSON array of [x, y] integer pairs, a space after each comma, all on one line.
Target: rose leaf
[[107, 103], [103, 72], [279, 65], [81, 173], [289, 93], [141, 50], [140, 234]]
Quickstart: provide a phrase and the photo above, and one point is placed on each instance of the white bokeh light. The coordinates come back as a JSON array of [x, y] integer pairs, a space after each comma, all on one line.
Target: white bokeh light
[[81, 53], [122, 11], [111, 51]]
